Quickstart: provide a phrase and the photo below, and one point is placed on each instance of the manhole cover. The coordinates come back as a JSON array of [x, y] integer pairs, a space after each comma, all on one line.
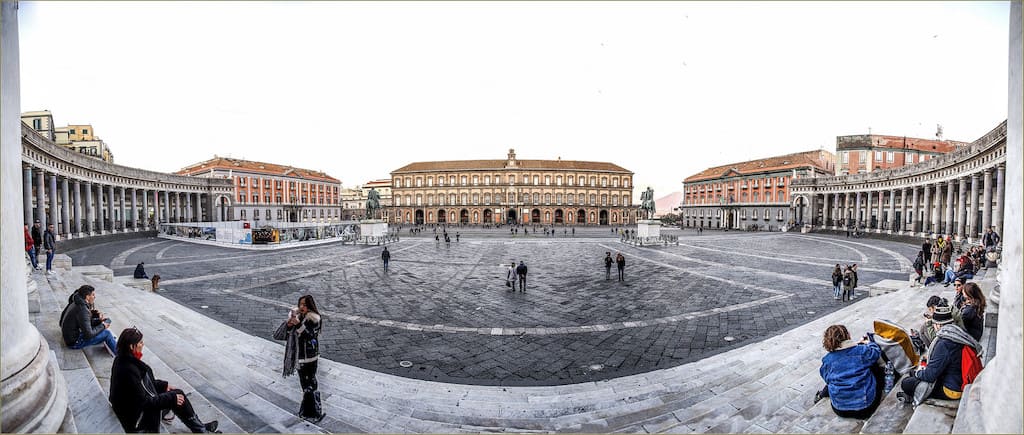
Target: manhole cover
[[730, 338], [405, 364]]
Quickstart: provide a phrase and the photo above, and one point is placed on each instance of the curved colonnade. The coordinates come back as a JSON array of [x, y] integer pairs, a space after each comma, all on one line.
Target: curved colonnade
[[958, 194], [83, 196]]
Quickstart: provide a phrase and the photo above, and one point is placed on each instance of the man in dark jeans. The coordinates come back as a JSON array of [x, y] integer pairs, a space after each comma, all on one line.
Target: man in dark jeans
[[37, 238], [620, 261], [521, 271], [386, 257], [608, 265]]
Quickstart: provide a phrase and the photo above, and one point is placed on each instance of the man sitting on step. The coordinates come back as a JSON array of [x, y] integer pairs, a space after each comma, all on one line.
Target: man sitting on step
[[82, 325]]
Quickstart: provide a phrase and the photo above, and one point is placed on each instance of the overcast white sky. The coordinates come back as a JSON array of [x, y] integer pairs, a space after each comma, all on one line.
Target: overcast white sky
[[360, 89]]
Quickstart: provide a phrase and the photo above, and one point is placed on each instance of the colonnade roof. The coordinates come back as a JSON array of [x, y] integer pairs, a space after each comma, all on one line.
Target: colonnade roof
[[273, 169], [995, 137], [65, 162]]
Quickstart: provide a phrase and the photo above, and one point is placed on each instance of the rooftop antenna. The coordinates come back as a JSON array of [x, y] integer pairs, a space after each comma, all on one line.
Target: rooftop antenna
[[938, 131]]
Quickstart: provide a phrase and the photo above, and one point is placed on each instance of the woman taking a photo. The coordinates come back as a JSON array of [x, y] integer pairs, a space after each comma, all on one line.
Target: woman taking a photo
[[853, 379], [138, 398], [305, 323], [973, 312]]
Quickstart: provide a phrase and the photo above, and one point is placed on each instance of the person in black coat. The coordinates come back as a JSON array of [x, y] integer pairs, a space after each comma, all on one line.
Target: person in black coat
[[973, 311], [140, 271], [620, 263], [386, 257], [521, 272], [306, 325], [138, 398], [82, 325]]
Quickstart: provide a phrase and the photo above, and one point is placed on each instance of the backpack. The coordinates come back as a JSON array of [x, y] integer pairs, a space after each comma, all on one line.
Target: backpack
[[970, 365], [897, 346], [847, 279]]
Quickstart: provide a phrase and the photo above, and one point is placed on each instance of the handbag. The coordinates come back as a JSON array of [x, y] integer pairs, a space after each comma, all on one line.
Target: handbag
[[508, 283], [282, 331]]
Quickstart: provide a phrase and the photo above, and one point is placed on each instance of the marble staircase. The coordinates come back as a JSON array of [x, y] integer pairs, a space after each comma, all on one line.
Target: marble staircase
[[235, 378]]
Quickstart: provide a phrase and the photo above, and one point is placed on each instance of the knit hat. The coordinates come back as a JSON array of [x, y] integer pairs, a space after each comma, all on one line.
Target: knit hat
[[942, 315]]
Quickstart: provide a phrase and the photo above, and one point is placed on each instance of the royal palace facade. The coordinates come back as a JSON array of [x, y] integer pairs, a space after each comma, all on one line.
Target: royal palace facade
[[547, 192]]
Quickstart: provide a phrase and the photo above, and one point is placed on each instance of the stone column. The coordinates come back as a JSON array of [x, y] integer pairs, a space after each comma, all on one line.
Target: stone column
[[54, 211], [27, 193], [89, 219], [825, 212], [927, 214], [892, 211], [188, 207], [78, 208], [177, 206], [156, 210], [197, 208], [167, 206], [100, 223], [35, 397], [65, 203], [997, 210], [972, 210], [915, 212], [856, 210], [41, 199], [124, 218], [135, 210], [936, 210], [949, 206], [903, 210], [110, 208], [986, 202], [867, 211], [992, 403], [880, 225], [961, 210], [144, 218]]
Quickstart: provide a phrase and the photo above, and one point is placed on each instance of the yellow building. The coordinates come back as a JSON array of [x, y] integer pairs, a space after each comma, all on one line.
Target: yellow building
[[78, 137], [512, 191]]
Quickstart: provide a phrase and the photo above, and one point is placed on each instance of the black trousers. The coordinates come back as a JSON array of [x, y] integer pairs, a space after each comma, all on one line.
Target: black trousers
[[522, 283], [310, 406], [622, 273]]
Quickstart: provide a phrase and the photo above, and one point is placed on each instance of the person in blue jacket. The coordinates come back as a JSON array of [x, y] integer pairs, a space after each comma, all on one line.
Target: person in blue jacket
[[942, 373], [853, 379]]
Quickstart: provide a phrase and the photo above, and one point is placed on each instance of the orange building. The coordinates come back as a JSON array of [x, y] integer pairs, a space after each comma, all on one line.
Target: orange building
[[751, 193], [272, 192], [868, 152]]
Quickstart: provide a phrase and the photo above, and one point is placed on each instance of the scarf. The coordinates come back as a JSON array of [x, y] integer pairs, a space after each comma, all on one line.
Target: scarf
[[953, 333]]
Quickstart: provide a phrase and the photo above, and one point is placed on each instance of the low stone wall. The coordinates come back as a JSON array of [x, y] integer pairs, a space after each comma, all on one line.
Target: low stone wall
[[82, 242]]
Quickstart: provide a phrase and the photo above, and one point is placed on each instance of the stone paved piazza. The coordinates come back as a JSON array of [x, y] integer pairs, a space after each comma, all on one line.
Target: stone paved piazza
[[447, 311]]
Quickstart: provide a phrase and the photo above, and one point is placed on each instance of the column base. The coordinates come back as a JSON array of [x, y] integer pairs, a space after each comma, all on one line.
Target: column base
[[36, 397]]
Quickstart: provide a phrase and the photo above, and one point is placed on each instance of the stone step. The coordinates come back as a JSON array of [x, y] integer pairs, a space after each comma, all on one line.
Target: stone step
[[891, 416], [96, 271], [931, 419], [128, 281]]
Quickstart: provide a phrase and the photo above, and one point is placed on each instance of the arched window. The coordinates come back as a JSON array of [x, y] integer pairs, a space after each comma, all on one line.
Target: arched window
[[604, 199], [487, 180], [487, 198], [569, 180], [615, 199], [625, 182], [440, 180], [558, 198], [476, 198], [430, 181], [625, 200], [526, 179], [547, 180], [604, 181], [615, 182], [536, 198], [451, 180], [476, 180], [464, 198], [547, 198], [558, 180], [419, 182], [430, 199], [593, 181], [536, 179], [398, 182], [463, 179], [419, 199], [452, 199], [408, 182], [593, 199]]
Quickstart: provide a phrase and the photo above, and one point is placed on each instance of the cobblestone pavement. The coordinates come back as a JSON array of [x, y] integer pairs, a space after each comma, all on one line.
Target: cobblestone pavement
[[448, 312]]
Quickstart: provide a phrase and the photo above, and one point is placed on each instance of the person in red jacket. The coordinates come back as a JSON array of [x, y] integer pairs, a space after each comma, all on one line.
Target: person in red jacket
[[30, 248]]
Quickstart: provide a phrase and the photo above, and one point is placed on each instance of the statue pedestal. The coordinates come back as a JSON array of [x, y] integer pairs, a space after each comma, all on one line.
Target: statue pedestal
[[648, 228], [373, 230]]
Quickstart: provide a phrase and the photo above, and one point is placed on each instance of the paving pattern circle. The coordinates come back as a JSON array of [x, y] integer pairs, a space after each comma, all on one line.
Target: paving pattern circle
[[448, 310]]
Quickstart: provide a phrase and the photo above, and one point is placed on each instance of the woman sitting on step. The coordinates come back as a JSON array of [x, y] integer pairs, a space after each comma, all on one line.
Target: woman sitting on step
[[853, 379], [138, 398]]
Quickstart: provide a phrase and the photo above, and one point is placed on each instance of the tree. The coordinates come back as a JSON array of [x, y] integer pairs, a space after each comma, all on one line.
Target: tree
[[670, 219]]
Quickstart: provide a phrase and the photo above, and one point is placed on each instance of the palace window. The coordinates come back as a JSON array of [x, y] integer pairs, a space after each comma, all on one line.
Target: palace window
[[430, 199], [487, 180], [878, 156], [242, 214], [536, 180], [476, 198], [487, 198], [451, 180], [547, 198], [604, 199], [430, 181], [526, 179], [569, 180], [604, 181], [536, 198], [558, 180], [440, 181], [280, 215], [547, 180], [890, 156], [593, 181], [558, 198], [593, 199], [268, 214]]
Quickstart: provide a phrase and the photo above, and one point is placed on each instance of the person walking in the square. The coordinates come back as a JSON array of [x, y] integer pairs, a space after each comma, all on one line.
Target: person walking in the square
[[37, 240], [511, 277], [620, 262], [521, 272], [50, 244], [30, 248], [608, 265], [386, 257]]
